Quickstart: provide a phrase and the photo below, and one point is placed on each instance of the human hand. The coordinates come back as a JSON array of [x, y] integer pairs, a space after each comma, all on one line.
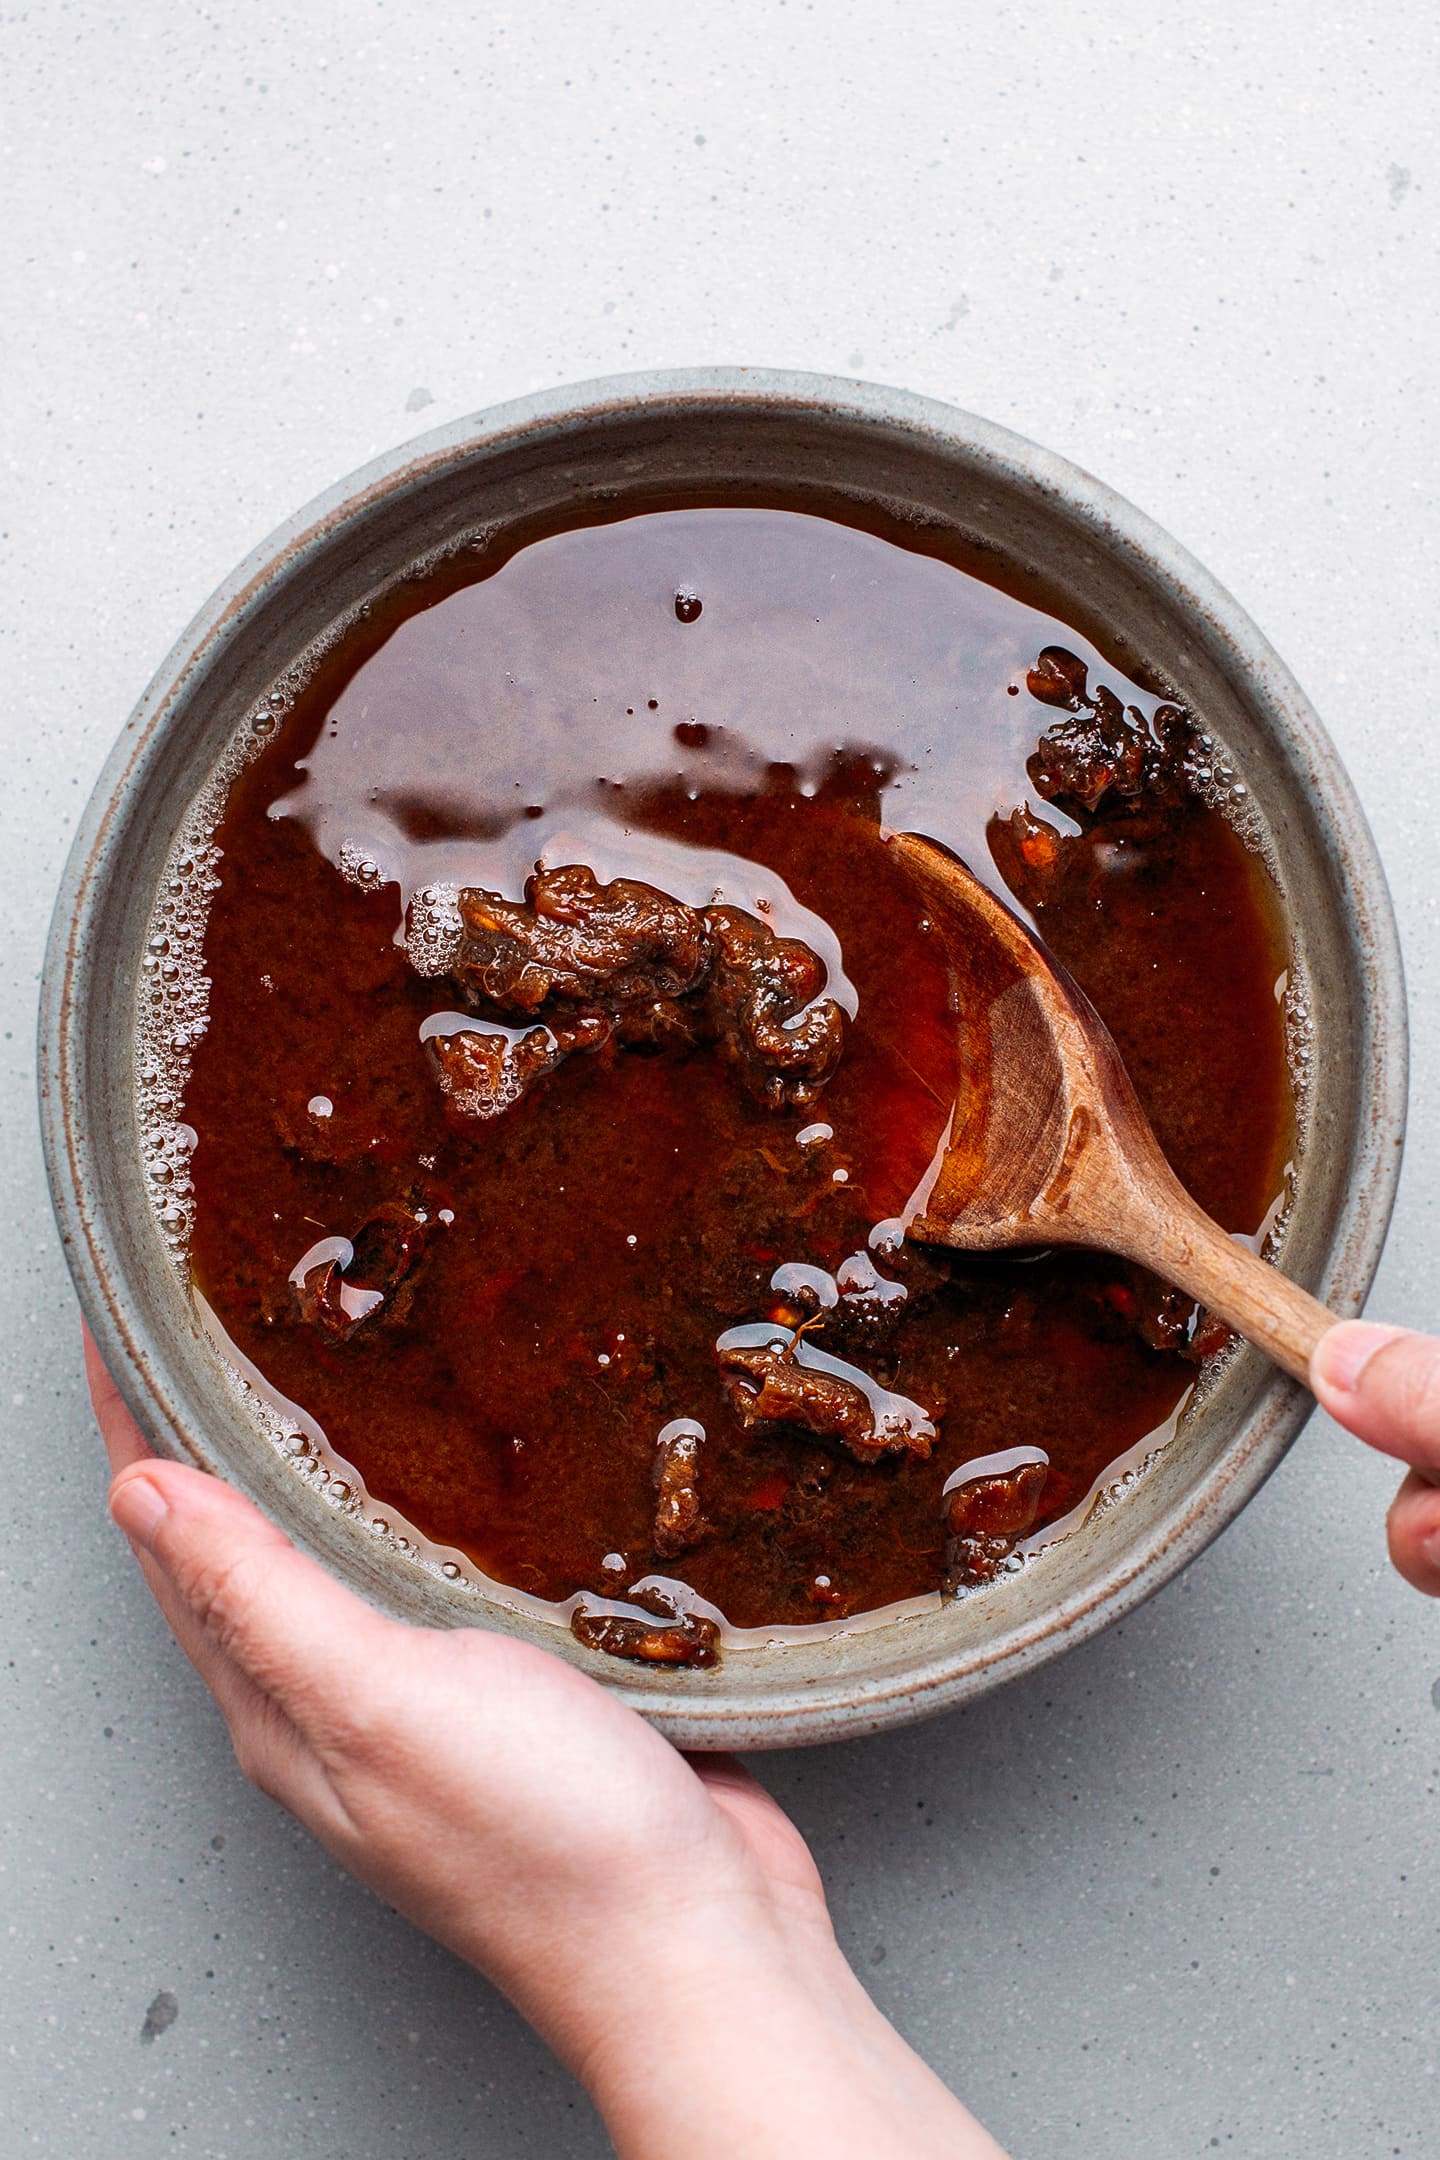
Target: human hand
[[659, 1921], [1383, 1384]]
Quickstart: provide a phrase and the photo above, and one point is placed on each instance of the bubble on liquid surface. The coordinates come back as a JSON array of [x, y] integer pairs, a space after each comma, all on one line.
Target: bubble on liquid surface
[[360, 868], [433, 929], [172, 1008]]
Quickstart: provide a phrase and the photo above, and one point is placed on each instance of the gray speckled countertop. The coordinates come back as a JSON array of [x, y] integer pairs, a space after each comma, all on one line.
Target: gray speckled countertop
[[1179, 1892]]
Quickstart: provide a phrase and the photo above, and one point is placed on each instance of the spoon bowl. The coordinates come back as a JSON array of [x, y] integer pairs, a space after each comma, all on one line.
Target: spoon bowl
[[1048, 1144]]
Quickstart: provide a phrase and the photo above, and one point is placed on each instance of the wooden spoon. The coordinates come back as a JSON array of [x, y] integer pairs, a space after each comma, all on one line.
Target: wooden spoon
[[1048, 1144]]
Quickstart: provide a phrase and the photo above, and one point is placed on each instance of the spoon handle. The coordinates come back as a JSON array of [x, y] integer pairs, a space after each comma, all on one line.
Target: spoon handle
[[1181, 1243]]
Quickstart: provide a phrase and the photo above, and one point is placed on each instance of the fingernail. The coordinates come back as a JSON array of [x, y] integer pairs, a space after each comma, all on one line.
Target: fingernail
[[1342, 1354], [139, 1507]]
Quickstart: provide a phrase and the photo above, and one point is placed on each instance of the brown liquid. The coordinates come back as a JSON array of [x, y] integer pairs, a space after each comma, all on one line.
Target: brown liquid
[[610, 1227]]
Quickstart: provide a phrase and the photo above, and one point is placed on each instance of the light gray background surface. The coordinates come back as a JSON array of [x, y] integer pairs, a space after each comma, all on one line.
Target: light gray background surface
[[1179, 1892]]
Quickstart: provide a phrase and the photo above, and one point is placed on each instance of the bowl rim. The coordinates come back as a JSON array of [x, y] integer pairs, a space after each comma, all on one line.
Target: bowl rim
[[806, 1713]]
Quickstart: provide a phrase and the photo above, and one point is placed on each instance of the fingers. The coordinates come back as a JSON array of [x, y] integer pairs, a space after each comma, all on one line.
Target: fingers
[[269, 1749], [255, 1727], [1414, 1533], [209, 1556], [268, 1631], [242, 1602], [124, 1441], [235, 1692], [1383, 1384], [238, 1594]]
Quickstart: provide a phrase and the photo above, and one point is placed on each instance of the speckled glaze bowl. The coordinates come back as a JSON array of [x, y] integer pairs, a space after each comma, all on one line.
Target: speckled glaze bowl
[[745, 430]]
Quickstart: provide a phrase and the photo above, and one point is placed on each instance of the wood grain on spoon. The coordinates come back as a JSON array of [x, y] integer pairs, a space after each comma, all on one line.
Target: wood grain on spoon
[[1049, 1145]]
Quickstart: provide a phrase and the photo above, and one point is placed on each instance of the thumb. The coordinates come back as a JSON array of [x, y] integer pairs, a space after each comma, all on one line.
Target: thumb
[[1383, 1384], [237, 1593]]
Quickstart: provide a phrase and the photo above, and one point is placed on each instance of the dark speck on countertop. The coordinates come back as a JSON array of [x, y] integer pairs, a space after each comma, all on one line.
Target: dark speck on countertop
[[160, 2016]]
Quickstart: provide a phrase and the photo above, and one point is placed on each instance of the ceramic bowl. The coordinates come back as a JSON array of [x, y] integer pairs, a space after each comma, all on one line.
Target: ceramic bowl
[[707, 432]]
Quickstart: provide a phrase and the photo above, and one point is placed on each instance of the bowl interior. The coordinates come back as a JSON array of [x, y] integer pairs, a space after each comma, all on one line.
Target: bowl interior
[[732, 437]]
